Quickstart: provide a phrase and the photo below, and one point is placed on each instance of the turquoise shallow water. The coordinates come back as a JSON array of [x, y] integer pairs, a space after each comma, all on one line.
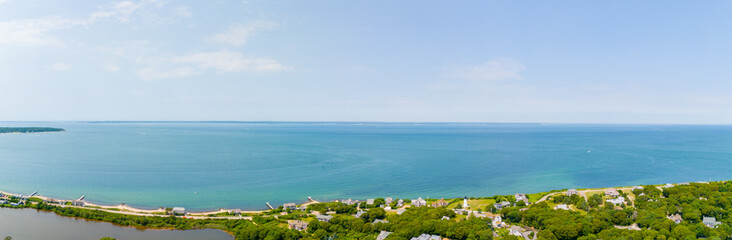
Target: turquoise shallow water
[[243, 165]]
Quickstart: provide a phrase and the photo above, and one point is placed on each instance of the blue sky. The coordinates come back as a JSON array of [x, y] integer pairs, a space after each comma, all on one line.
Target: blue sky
[[424, 61]]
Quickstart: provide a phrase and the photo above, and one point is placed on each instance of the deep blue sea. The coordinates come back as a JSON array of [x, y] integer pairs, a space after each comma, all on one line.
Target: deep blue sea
[[205, 166]]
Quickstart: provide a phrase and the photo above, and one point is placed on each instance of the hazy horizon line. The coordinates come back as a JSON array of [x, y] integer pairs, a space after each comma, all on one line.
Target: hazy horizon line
[[352, 122]]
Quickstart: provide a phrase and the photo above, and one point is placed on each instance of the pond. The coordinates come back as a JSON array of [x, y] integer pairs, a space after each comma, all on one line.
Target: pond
[[33, 224]]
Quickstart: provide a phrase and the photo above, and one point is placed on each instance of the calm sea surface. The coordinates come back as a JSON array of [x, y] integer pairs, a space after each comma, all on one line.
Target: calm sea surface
[[243, 165], [33, 224]]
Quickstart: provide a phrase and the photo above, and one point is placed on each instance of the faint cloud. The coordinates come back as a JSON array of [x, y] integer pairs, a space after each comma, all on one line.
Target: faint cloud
[[153, 74], [495, 69], [183, 11], [228, 61], [111, 67], [4, 1], [197, 63], [238, 35], [61, 66], [33, 32]]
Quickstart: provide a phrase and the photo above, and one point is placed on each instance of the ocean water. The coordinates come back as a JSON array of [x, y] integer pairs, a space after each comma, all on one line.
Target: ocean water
[[204, 166]]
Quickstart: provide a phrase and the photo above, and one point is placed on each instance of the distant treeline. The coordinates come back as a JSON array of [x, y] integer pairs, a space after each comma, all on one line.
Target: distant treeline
[[29, 129]]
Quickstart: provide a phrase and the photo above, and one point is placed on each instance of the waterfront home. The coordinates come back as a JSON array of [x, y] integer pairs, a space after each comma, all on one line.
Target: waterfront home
[[380, 221], [400, 211], [388, 200], [15, 204], [676, 218], [349, 201], [419, 202], [324, 218], [297, 225], [359, 214], [383, 235], [501, 205], [617, 201], [291, 206], [710, 222], [370, 201], [637, 188], [178, 211], [425, 236], [612, 192], [440, 203], [572, 191], [77, 203], [668, 185], [400, 203], [521, 197], [3, 202], [562, 206]]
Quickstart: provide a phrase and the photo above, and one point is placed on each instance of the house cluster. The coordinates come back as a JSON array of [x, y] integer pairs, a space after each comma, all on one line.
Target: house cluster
[[612, 192], [440, 203], [425, 236], [349, 201]]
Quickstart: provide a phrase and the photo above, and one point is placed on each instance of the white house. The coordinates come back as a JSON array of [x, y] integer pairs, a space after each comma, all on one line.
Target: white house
[[562, 206], [419, 202], [617, 201], [178, 211]]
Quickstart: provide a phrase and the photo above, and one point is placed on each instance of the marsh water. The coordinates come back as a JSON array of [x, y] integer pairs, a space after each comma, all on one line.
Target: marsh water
[[33, 224]]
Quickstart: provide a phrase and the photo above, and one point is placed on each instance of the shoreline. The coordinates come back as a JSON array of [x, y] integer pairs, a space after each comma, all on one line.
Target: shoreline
[[123, 208]]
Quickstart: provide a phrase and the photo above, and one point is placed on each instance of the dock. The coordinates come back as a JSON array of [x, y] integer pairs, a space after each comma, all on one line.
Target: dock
[[269, 206]]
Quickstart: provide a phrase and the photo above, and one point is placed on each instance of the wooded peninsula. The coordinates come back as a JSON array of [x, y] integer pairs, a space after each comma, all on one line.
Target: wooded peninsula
[[29, 129]]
